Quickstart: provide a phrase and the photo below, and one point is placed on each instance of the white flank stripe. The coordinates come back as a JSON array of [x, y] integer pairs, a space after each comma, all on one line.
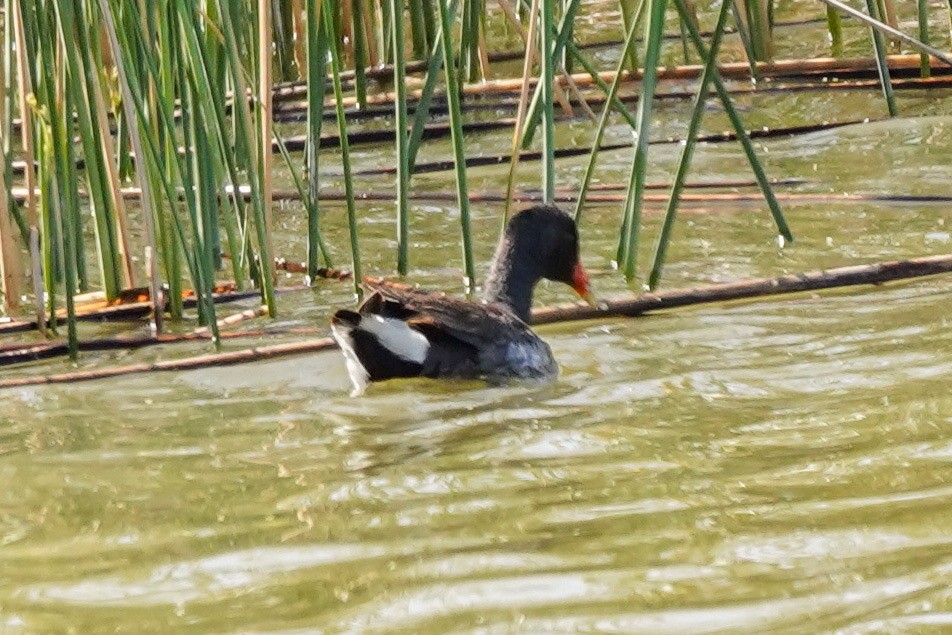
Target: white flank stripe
[[397, 337], [358, 374]]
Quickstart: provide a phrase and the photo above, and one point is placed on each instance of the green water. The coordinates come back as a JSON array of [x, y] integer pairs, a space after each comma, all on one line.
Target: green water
[[782, 464]]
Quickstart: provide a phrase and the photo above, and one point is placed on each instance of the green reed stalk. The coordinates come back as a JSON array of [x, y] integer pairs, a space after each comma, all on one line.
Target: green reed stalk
[[215, 57], [207, 80], [562, 39], [344, 151], [360, 54], [106, 157], [386, 31], [316, 86], [630, 15], [615, 102], [133, 104], [739, 9], [202, 202], [190, 176], [207, 176], [531, 41], [216, 72], [480, 54], [418, 29], [11, 271], [110, 269], [73, 213], [467, 41], [215, 46], [167, 141], [302, 191], [630, 39], [759, 25], [533, 119], [47, 224], [740, 131], [925, 69], [246, 139], [430, 24], [459, 153], [879, 48], [685, 51], [266, 125], [193, 190], [401, 129], [884, 16], [628, 247], [284, 32], [64, 212], [6, 118], [835, 26], [25, 84], [422, 111], [684, 164], [692, 9], [122, 12], [371, 31], [547, 79]]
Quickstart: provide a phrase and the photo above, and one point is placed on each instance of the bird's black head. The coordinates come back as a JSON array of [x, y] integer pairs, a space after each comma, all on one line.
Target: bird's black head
[[548, 237]]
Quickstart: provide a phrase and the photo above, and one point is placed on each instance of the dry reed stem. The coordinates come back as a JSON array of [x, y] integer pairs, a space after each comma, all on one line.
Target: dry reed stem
[[737, 70], [235, 318], [21, 353], [135, 138], [132, 304], [25, 86], [109, 158], [531, 42], [434, 131], [569, 195], [11, 269], [37, 271], [265, 56]]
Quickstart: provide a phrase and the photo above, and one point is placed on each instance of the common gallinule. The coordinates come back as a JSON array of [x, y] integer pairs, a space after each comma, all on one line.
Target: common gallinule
[[398, 332]]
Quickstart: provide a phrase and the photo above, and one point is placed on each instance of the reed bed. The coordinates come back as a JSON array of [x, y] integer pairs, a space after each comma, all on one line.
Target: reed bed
[[172, 104]]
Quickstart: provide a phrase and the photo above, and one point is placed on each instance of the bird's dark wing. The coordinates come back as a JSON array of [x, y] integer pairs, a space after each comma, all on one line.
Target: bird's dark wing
[[439, 316]]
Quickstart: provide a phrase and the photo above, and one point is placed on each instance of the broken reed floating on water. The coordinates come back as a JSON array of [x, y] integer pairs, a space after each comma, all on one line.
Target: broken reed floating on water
[[23, 353], [293, 111], [135, 303], [900, 66], [435, 131], [603, 195], [124, 310], [385, 71], [876, 273]]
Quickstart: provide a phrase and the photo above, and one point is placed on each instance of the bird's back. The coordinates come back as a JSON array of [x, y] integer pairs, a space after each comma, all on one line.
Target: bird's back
[[400, 332]]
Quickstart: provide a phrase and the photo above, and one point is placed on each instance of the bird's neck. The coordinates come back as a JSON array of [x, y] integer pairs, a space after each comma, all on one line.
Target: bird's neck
[[511, 282]]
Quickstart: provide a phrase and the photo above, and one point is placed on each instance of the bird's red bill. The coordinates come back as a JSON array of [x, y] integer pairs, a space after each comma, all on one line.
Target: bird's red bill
[[581, 285]]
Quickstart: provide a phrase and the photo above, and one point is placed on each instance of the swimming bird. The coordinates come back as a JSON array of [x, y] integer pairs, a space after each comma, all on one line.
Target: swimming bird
[[401, 332]]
